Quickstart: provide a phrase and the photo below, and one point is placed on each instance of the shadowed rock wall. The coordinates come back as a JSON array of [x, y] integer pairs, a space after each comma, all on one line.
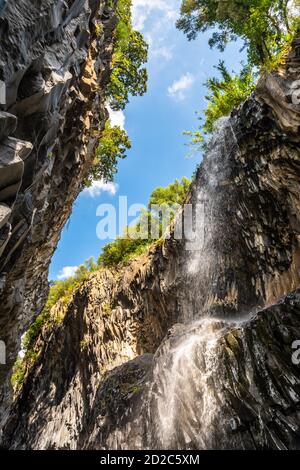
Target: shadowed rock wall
[[54, 65], [223, 375]]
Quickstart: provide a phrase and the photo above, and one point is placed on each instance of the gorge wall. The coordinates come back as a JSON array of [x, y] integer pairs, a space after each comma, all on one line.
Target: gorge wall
[[190, 347], [55, 62]]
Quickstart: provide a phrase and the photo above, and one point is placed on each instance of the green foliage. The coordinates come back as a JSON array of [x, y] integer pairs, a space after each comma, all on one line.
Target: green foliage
[[267, 29], [175, 193], [18, 374], [98, 29], [137, 239], [128, 77], [84, 343], [106, 309], [122, 250], [196, 141], [265, 26], [63, 290], [112, 147], [59, 291], [225, 94], [20, 368], [34, 330], [136, 389]]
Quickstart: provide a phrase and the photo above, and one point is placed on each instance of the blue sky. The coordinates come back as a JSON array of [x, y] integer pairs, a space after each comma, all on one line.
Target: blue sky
[[155, 122]]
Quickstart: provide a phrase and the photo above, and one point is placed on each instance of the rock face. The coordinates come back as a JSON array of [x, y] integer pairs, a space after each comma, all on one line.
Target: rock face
[[192, 346], [54, 66]]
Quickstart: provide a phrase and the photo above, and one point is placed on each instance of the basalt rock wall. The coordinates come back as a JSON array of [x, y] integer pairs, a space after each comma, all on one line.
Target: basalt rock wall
[[55, 60], [191, 345]]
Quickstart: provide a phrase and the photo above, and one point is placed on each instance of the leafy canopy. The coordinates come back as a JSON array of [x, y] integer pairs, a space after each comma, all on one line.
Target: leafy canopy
[[175, 193], [265, 26], [128, 77], [226, 93]]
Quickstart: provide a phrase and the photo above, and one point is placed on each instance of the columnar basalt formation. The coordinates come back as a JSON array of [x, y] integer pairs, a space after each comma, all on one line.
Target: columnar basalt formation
[[55, 62], [220, 320]]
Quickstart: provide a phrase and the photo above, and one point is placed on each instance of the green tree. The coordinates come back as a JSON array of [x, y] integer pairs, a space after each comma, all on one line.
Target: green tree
[[175, 193], [265, 26], [224, 94], [113, 145], [128, 77], [136, 239]]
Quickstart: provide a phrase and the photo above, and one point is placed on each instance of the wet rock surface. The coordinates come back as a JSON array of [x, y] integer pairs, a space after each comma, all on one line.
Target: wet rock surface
[[215, 385]]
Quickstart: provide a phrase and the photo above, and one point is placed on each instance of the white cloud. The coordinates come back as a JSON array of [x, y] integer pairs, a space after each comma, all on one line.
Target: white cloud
[[98, 187], [66, 272], [178, 87], [155, 19], [117, 118], [138, 19], [143, 9], [163, 52]]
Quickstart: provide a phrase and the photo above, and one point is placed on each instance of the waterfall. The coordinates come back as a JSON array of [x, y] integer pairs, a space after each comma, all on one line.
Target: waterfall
[[184, 403], [216, 169]]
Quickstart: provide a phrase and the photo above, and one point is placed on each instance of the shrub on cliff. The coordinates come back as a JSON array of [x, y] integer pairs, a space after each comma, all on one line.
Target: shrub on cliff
[[224, 94], [112, 146], [59, 291], [138, 238]]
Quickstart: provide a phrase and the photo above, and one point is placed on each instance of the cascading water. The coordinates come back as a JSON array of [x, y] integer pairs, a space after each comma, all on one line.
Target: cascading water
[[183, 400], [184, 404], [216, 169]]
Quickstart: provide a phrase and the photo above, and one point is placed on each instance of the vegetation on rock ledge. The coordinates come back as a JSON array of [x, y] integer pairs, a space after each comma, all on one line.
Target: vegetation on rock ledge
[[138, 238], [60, 291], [113, 145], [266, 28]]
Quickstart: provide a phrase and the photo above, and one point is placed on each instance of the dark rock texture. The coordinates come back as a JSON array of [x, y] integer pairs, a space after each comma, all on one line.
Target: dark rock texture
[[191, 346], [55, 62], [211, 385], [219, 315]]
